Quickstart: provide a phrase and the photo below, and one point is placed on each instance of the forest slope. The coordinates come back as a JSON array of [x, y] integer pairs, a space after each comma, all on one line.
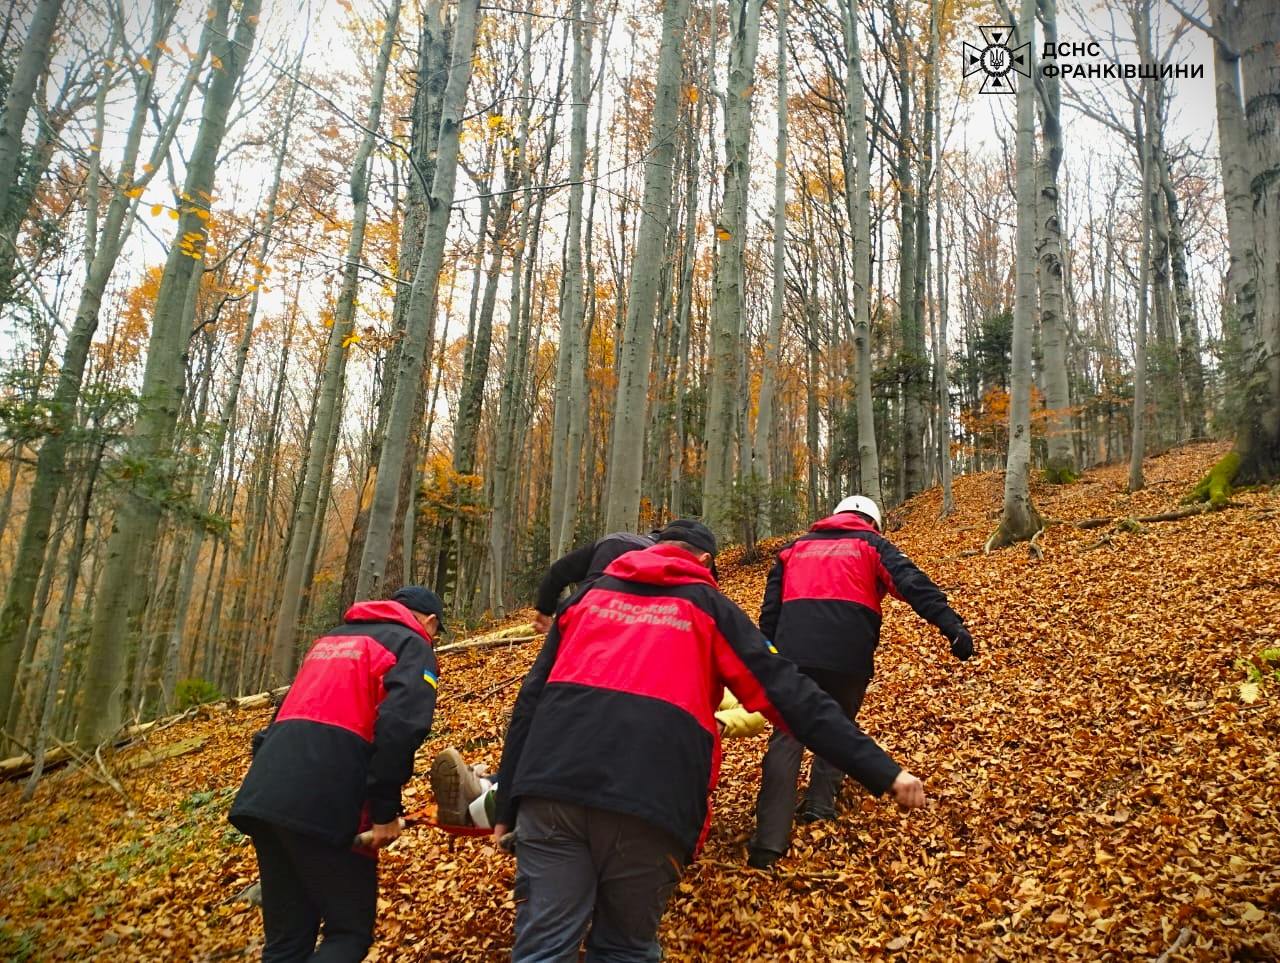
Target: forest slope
[[1100, 788]]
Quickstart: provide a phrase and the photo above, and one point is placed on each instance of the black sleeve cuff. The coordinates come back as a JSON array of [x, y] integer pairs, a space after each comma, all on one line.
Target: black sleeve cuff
[[383, 809]]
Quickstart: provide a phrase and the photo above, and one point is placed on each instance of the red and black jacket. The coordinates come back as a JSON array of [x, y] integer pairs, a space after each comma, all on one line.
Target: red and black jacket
[[822, 601], [584, 565], [343, 741], [618, 711]]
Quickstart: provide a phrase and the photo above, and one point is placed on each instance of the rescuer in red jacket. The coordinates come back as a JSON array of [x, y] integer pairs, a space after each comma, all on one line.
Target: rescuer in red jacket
[[822, 610], [613, 747], [332, 763]]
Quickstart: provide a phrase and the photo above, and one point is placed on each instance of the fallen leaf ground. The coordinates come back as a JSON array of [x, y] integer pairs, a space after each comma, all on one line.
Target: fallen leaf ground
[[1100, 789]]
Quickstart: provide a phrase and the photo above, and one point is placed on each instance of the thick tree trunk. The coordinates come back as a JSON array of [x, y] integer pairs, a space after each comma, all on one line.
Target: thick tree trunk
[[130, 545], [630, 414], [421, 316], [1019, 520], [1258, 434], [728, 297], [1189, 361], [1061, 465]]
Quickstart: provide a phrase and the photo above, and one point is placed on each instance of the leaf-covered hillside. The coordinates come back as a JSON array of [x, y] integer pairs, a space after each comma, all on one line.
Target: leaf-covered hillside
[[1101, 787]]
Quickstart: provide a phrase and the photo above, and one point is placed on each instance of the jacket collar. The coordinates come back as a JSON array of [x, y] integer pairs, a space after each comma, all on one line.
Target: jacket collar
[[664, 564], [844, 522], [385, 611]]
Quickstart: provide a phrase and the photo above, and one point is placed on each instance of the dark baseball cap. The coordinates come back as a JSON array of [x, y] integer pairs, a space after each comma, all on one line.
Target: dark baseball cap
[[422, 600], [692, 532]]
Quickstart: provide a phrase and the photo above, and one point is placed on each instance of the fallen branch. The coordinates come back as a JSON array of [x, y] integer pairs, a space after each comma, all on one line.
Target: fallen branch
[[485, 643], [492, 690], [1178, 944]]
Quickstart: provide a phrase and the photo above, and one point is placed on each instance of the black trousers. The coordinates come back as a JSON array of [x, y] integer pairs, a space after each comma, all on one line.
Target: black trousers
[[776, 804], [307, 884]]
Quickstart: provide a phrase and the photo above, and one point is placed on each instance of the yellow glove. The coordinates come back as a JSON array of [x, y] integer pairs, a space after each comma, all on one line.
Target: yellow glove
[[738, 722]]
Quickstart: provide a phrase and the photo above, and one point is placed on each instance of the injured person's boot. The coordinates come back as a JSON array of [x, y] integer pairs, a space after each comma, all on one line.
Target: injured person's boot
[[456, 786]]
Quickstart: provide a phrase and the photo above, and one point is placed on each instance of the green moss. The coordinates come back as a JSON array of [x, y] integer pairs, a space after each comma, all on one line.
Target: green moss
[[1060, 474], [1215, 487]]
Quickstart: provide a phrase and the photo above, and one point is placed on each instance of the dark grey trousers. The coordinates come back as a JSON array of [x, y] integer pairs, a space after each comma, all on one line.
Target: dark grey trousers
[[776, 804], [593, 873]]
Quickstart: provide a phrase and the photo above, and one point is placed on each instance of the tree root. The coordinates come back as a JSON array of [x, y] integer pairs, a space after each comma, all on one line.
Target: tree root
[[1215, 487]]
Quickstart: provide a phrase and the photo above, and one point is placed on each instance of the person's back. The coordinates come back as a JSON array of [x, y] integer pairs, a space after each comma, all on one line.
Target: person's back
[[822, 602], [332, 763], [822, 610], [613, 746]]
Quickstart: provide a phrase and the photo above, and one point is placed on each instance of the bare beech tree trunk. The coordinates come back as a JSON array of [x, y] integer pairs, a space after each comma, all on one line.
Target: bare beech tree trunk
[[310, 511], [860, 220], [626, 450], [1019, 519], [421, 315], [728, 299], [1144, 122], [762, 448], [1061, 465]]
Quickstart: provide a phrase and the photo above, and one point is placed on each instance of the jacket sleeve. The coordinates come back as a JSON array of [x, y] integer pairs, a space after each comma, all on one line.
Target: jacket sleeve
[[771, 607], [521, 720], [902, 578], [404, 719], [766, 682], [562, 573]]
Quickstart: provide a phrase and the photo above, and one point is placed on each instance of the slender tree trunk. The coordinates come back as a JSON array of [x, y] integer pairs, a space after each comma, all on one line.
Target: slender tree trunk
[[1189, 362], [416, 346], [860, 220], [1143, 125], [630, 414], [566, 454], [283, 646], [913, 363], [1020, 520], [728, 297], [762, 447], [58, 645]]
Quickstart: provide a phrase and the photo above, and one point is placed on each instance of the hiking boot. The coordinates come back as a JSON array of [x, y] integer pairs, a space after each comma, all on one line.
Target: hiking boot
[[761, 858], [455, 785]]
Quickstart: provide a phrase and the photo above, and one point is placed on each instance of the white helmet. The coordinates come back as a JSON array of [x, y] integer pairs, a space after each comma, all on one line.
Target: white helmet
[[863, 506]]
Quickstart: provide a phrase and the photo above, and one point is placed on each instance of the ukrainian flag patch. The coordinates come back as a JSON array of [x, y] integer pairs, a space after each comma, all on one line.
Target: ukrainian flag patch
[[430, 679], [770, 646]]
